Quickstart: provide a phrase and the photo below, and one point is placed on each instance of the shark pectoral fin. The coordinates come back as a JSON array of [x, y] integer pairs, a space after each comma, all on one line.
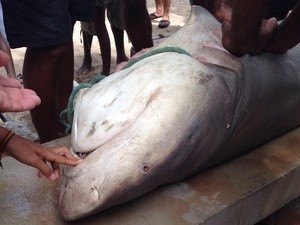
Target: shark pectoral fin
[[214, 54]]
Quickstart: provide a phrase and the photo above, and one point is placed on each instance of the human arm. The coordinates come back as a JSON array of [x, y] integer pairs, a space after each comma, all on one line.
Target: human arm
[[36, 155], [247, 32], [9, 66]]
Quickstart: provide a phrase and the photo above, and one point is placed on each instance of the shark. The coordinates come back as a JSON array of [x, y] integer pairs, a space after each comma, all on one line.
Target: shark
[[188, 107]]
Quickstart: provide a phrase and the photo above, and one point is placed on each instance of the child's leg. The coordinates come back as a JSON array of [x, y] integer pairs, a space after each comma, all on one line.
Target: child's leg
[[102, 34], [119, 41], [86, 65]]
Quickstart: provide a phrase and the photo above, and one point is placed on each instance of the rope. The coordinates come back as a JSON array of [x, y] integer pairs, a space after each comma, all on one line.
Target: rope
[[66, 116], [155, 52]]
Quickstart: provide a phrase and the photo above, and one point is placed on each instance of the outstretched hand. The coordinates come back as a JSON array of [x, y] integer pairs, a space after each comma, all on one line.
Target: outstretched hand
[[38, 156], [15, 98]]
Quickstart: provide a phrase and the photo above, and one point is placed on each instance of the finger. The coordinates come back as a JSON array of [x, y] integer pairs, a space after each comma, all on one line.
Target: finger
[[266, 32], [60, 150], [55, 168], [10, 82], [52, 177], [40, 174], [56, 173], [43, 167], [32, 95], [63, 151], [4, 58], [52, 157]]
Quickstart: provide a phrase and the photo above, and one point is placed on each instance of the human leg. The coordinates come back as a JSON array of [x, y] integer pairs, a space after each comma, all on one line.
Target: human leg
[[40, 73], [165, 21], [114, 15], [86, 65], [166, 6], [159, 10], [119, 41], [103, 37], [65, 71], [137, 23]]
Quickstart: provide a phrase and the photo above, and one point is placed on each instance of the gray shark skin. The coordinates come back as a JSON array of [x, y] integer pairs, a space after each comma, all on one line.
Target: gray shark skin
[[171, 115]]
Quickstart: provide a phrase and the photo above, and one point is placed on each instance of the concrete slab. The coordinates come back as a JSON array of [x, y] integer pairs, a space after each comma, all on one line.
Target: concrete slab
[[241, 192]]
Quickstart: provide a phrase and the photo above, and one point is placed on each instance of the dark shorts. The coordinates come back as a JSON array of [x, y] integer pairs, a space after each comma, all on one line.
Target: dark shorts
[[114, 14], [42, 23], [81, 10]]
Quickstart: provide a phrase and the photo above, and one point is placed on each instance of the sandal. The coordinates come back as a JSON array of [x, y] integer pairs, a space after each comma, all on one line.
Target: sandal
[[163, 24], [153, 16]]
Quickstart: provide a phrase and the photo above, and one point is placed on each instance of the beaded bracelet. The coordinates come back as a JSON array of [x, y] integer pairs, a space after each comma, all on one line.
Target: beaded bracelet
[[4, 142]]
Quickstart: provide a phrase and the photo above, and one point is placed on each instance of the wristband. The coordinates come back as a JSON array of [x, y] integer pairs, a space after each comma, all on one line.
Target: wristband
[[4, 142]]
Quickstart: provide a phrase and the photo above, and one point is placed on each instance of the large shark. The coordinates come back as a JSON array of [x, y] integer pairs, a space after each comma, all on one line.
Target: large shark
[[171, 115]]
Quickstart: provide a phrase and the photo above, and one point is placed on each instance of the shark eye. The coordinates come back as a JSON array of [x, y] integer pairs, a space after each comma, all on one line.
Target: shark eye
[[146, 167]]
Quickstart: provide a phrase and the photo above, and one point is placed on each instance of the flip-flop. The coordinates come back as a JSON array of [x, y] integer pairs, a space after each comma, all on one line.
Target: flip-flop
[[153, 16], [163, 24]]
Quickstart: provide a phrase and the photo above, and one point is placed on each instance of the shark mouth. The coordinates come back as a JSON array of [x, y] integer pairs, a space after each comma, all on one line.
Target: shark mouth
[[81, 155]]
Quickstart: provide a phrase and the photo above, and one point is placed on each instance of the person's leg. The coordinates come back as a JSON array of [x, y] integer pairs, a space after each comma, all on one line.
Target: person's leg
[[114, 15], [166, 6], [65, 71], [40, 73], [119, 41], [103, 37], [137, 23], [165, 21], [86, 65], [159, 11]]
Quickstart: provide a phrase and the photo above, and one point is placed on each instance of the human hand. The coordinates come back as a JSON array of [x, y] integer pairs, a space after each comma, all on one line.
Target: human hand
[[15, 98], [222, 10], [59, 155], [37, 156], [240, 44]]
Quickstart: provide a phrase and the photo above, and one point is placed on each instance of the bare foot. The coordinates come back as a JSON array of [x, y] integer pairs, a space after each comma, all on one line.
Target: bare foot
[[122, 58], [85, 68]]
